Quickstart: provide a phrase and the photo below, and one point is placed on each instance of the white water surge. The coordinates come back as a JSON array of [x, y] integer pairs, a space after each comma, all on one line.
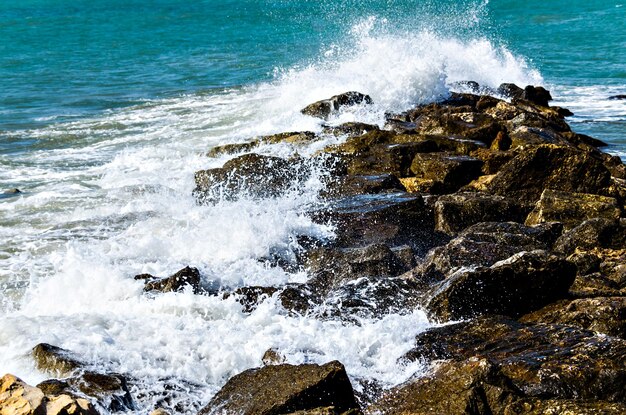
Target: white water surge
[[110, 197]]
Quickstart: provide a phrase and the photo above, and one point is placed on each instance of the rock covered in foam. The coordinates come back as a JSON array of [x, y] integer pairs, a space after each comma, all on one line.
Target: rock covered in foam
[[324, 108]]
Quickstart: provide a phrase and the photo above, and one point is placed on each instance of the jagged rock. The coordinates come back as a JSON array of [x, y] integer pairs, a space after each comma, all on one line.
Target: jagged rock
[[492, 160], [602, 314], [298, 137], [283, 389], [299, 298], [394, 219], [187, 276], [18, 398], [541, 236], [324, 108], [452, 171], [351, 129], [251, 174], [543, 361], [563, 406], [597, 232], [533, 134], [455, 212], [351, 185], [518, 285], [571, 209], [56, 361], [54, 387], [542, 167]]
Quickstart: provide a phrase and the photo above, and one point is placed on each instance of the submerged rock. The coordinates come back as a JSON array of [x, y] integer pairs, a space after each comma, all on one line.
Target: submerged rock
[[324, 108], [284, 389]]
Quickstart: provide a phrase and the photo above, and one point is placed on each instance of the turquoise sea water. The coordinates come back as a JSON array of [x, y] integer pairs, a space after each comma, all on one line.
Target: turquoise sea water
[[107, 108]]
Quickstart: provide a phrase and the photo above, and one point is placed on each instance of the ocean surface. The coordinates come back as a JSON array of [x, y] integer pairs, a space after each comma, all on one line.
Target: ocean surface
[[107, 108]]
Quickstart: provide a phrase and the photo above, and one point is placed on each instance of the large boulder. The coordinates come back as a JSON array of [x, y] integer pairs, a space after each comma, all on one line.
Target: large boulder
[[324, 108], [284, 389], [56, 361], [545, 361], [518, 285], [535, 169], [571, 209], [455, 212]]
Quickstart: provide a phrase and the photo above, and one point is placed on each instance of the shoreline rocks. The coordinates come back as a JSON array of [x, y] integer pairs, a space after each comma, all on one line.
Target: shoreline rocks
[[474, 208]]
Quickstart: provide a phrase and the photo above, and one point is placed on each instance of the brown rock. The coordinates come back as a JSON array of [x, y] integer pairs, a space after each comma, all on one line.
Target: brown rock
[[451, 171], [571, 209], [283, 389], [56, 361], [602, 314], [542, 167], [523, 283], [455, 212]]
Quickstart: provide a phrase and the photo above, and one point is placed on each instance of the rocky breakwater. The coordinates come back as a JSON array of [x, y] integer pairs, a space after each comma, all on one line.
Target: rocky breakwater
[[487, 212]]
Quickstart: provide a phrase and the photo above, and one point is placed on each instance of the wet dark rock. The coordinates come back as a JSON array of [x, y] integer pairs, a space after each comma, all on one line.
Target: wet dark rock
[[324, 108], [471, 86], [452, 171], [394, 219], [371, 297], [492, 160], [502, 142], [597, 232], [56, 361], [352, 185], [284, 389], [617, 97], [510, 90], [351, 129], [333, 267], [54, 387], [535, 169], [563, 406], [251, 297], [546, 361], [455, 212], [298, 137], [537, 95], [251, 174], [299, 298], [483, 244], [187, 276], [605, 315], [110, 389], [518, 285], [578, 139], [571, 209]]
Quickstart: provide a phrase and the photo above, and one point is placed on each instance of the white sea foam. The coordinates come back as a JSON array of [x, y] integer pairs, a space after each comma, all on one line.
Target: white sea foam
[[110, 197]]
